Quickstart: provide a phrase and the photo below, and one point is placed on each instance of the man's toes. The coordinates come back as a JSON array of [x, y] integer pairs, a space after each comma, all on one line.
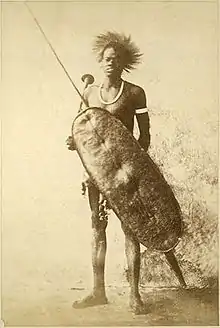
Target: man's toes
[[91, 300]]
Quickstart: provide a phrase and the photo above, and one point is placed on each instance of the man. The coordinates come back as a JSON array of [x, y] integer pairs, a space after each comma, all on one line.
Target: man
[[116, 53]]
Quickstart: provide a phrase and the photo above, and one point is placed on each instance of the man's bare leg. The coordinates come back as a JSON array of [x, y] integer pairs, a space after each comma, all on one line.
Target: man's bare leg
[[132, 250], [99, 245]]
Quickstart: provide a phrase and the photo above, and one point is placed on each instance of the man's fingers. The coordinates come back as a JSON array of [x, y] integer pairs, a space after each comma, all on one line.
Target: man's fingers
[[70, 143], [69, 140]]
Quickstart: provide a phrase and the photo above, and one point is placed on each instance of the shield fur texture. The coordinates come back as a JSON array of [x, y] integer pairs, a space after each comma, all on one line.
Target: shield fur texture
[[129, 179]]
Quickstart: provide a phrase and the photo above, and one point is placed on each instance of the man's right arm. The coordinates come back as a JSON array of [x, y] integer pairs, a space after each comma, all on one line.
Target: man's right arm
[[86, 94], [70, 141]]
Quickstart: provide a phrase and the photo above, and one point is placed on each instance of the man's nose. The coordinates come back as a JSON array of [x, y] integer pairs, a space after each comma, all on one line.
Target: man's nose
[[111, 61]]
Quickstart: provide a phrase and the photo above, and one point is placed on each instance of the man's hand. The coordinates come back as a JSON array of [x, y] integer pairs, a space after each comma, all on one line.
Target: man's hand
[[70, 143], [144, 141]]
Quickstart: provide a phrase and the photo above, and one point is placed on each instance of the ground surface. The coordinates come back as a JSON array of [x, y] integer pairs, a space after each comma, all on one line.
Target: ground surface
[[166, 307], [47, 265]]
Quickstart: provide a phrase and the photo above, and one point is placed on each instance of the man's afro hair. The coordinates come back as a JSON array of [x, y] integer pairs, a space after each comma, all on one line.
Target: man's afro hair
[[128, 52]]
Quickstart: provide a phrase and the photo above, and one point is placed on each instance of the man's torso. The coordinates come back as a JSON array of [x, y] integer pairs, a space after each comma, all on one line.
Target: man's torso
[[123, 108]]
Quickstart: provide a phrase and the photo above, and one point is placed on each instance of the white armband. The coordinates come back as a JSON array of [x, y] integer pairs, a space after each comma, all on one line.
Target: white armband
[[141, 110]]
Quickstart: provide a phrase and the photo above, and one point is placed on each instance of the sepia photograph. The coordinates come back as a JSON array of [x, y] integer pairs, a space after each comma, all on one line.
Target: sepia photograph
[[109, 163]]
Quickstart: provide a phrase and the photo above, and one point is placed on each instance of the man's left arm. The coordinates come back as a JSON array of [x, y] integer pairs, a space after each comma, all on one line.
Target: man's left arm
[[142, 119]]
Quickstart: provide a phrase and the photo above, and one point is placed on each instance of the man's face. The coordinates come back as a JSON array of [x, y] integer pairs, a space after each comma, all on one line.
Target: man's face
[[111, 63]]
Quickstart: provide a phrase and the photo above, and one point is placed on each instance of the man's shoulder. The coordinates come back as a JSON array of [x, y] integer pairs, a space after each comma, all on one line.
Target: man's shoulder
[[135, 89], [90, 90], [137, 94]]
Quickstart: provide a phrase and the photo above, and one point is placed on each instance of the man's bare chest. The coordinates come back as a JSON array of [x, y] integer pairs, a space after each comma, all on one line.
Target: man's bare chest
[[119, 106]]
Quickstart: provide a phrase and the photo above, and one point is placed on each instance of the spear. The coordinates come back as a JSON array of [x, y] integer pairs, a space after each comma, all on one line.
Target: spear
[[86, 78]]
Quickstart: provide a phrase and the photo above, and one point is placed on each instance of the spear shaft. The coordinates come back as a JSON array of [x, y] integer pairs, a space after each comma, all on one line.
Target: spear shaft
[[55, 54]]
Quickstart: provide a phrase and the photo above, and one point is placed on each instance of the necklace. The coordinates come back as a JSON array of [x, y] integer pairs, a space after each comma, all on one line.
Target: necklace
[[117, 96]]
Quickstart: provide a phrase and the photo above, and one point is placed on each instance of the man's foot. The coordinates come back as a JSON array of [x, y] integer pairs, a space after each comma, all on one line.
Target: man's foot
[[91, 300], [137, 306]]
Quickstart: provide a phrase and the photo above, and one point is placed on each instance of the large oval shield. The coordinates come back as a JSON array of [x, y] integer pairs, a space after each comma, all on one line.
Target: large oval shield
[[128, 178]]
